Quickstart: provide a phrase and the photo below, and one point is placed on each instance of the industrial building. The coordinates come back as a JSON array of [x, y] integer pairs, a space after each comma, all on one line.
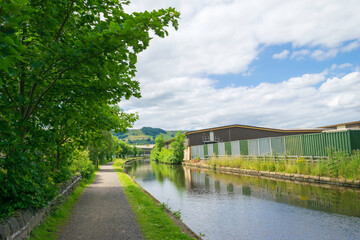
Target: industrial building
[[250, 140]]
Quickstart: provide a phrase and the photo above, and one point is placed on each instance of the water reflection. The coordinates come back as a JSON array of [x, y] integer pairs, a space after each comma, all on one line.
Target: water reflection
[[335, 199], [225, 206]]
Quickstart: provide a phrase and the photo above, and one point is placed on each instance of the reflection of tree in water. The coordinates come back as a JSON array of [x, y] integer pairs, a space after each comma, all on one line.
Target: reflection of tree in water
[[174, 173], [324, 198]]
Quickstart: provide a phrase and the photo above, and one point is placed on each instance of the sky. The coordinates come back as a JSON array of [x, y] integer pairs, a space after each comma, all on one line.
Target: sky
[[271, 63]]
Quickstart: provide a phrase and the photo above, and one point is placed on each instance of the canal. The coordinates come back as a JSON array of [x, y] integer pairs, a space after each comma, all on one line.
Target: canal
[[224, 206]]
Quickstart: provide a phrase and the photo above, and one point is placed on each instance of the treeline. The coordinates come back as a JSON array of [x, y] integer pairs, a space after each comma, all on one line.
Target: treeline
[[63, 71], [152, 131], [173, 155]]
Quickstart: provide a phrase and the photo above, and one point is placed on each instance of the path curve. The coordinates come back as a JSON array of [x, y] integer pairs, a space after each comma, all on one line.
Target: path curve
[[102, 212]]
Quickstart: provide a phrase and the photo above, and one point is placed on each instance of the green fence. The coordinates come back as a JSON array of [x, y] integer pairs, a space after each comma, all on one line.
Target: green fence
[[316, 144]]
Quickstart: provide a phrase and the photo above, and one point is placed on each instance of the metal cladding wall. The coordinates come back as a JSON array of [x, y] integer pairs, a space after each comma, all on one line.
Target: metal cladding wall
[[339, 141], [210, 149], [317, 144], [294, 145], [206, 150], [253, 147], [240, 132], [216, 149], [228, 148], [221, 147], [264, 146], [198, 151], [314, 145], [355, 140], [244, 147], [278, 145], [235, 148]]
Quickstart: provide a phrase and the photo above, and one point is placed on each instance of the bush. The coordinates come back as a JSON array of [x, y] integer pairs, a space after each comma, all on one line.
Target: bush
[[82, 164]]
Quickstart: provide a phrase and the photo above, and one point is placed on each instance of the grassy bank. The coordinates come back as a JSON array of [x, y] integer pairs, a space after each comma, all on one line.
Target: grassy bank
[[60, 215], [151, 216], [339, 165]]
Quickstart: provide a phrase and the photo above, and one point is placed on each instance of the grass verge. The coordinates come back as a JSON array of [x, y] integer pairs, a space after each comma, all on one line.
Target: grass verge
[[151, 216], [60, 215], [339, 165]]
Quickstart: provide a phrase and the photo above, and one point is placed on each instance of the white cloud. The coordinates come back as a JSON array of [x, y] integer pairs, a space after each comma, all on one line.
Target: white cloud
[[226, 36], [193, 103], [300, 54], [281, 55], [219, 37], [351, 46], [322, 55]]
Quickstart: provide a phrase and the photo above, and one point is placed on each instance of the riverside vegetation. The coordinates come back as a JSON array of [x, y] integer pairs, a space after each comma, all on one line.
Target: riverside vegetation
[[339, 165], [64, 68], [151, 216], [172, 155]]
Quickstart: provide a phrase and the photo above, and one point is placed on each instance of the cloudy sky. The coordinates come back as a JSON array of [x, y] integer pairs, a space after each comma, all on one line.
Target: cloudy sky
[[271, 63]]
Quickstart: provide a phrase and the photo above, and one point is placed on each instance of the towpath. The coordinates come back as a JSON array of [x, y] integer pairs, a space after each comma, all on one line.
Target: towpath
[[102, 211]]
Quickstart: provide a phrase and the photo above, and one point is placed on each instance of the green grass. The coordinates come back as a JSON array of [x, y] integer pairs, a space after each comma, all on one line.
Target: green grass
[[344, 165], [60, 215], [151, 216]]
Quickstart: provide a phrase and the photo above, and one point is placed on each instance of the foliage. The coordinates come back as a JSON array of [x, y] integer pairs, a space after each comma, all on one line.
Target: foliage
[[82, 164], [64, 66], [136, 136], [159, 144], [152, 131], [340, 164], [173, 155]]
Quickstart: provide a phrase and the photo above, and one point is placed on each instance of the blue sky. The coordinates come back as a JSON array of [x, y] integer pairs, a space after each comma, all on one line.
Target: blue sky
[[267, 69], [271, 63]]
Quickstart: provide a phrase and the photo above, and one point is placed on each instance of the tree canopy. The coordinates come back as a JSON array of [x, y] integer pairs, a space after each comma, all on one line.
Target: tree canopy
[[64, 67]]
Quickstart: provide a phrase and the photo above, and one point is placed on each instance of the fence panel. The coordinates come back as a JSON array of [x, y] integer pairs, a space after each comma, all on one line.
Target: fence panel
[[221, 147], [265, 147], [201, 152], [355, 139], [206, 150], [314, 144], [294, 145], [216, 149], [253, 147], [235, 148], [228, 150], [339, 141], [210, 149], [197, 151], [244, 147], [278, 145], [194, 151]]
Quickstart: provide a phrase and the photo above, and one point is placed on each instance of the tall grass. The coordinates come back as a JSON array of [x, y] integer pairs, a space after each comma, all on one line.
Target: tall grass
[[339, 164]]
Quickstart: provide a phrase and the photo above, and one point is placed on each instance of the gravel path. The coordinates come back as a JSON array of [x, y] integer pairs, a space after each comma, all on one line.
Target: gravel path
[[102, 211]]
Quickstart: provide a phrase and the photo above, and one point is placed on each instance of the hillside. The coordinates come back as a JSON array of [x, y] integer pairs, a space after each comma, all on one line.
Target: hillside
[[145, 136]]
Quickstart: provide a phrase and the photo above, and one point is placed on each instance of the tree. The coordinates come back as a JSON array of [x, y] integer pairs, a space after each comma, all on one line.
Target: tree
[[152, 131], [61, 63], [159, 143]]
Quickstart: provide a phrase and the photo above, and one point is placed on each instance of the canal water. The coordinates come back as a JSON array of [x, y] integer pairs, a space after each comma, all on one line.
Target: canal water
[[224, 206]]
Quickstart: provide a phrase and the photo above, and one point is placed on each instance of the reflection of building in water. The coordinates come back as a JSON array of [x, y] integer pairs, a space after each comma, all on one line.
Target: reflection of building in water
[[308, 196]]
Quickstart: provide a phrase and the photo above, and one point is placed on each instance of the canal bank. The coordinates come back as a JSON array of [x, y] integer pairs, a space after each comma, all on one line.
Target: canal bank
[[279, 175], [156, 219], [229, 206]]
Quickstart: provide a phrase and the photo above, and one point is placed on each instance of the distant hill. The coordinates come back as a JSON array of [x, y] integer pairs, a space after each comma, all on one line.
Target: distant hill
[[145, 135]]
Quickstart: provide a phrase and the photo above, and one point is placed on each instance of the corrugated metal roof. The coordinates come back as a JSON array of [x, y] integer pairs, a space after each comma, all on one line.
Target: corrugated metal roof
[[253, 127]]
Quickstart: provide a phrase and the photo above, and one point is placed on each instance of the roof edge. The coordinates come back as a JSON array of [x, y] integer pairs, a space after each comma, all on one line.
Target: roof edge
[[253, 127]]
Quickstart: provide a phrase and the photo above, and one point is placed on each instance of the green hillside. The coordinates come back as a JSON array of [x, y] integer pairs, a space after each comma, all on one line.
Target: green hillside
[[145, 136]]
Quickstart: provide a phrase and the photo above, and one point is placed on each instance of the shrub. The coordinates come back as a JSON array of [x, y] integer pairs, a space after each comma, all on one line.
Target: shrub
[[82, 164]]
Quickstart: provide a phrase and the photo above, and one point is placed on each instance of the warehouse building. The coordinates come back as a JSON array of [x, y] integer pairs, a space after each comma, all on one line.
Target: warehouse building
[[250, 140], [239, 132]]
